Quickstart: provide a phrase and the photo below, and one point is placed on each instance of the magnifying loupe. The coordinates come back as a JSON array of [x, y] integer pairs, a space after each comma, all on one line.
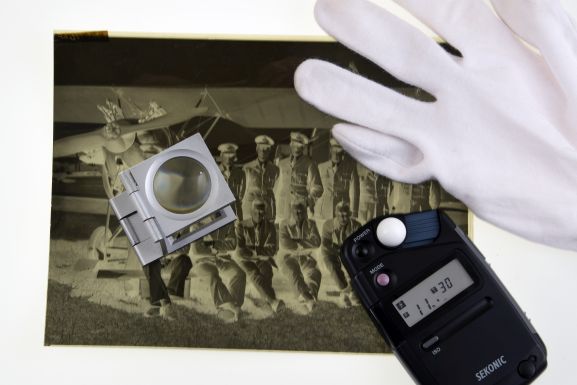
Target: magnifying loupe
[[181, 185], [173, 199]]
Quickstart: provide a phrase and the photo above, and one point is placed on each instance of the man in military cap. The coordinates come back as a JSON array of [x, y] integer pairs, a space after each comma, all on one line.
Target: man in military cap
[[255, 249], [340, 182], [299, 178], [261, 177], [334, 233], [299, 238], [233, 175], [212, 256], [373, 194]]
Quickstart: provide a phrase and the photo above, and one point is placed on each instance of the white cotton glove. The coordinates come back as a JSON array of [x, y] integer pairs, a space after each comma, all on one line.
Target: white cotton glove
[[502, 133]]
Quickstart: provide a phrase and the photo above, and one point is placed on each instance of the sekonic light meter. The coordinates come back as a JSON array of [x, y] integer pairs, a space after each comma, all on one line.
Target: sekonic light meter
[[438, 303], [173, 199]]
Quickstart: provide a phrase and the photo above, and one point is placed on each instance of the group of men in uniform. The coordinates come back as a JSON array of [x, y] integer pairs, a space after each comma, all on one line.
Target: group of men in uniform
[[280, 207]]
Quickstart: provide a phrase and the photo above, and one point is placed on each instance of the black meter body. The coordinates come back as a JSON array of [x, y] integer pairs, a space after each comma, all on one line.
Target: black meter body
[[438, 303]]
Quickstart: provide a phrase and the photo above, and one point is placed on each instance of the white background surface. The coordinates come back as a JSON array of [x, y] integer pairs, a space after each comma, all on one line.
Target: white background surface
[[542, 279]]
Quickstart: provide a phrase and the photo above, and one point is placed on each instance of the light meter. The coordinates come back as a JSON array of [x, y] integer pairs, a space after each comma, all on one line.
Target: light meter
[[438, 303]]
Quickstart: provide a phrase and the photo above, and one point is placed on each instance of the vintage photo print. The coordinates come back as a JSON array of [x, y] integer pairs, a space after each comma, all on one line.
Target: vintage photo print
[[271, 280]]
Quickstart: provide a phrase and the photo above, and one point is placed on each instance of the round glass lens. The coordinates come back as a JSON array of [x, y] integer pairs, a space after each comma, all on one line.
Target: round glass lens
[[181, 185]]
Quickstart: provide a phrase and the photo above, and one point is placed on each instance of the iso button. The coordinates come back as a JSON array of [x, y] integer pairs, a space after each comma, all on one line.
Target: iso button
[[391, 232]]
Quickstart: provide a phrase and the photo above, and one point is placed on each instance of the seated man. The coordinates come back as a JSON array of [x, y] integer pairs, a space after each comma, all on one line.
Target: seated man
[[213, 259], [299, 238], [335, 231], [256, 246]]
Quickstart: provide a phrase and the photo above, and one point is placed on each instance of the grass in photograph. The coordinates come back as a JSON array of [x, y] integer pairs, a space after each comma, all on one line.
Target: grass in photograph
[[76, 321]]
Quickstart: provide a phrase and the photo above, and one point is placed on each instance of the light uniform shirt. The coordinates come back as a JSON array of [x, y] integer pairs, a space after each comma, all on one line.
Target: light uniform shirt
[[299, 178], [255, 240], [235, 179], [298, 237], [261, 179], [340, 184]]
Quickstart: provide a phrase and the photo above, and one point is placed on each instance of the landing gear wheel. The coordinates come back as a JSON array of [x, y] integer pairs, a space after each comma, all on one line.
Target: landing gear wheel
[[97, 243]]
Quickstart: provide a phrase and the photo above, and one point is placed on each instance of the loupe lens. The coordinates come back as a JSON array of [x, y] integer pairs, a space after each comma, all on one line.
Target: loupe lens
[[181, 185]]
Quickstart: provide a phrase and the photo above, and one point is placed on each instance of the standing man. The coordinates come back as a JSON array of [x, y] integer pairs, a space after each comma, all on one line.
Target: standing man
[[400, 196], [299, 178], [255, 249], [213, 259], [405, 198], [233, 175], [373, 196], [423, 196], [340, 182], [299, 238], [261, 177], [335, 231]]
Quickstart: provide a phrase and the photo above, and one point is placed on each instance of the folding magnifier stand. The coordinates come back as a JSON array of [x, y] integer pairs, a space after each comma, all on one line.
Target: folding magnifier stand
[[173, 199]]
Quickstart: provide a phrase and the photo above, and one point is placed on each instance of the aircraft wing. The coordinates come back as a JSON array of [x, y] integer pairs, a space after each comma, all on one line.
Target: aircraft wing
[[255, 107], [99, 138]]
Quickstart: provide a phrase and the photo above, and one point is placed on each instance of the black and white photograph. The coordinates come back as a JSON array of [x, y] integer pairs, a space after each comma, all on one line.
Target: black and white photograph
[[270, 280]]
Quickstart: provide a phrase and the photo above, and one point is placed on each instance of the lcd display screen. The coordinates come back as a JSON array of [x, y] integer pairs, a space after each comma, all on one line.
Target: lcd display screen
[[433, 292]]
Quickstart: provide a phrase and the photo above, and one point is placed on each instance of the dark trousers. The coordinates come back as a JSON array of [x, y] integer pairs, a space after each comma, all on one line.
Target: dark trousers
[[180, 266], [158, 290], [335, 269], [302, 273], [259, 273], [226, 279]]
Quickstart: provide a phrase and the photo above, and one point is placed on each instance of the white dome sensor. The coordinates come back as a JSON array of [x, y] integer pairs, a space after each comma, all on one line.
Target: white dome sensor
[[391, 232]]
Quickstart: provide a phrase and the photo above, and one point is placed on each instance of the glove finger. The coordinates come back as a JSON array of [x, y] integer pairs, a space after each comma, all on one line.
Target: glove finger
[[468, 25], [388, 41], [385, 154], [358, 100], [545, 25]]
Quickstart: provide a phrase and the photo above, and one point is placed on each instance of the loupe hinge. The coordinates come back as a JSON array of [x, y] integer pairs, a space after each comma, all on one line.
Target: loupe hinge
[[140, 228], [128, 214], [130, 232], [123, 205], [130, 184], [142, 208], [154, 229]]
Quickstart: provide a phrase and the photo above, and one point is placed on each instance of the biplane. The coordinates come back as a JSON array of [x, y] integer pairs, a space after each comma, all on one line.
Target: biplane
[[100, 131]]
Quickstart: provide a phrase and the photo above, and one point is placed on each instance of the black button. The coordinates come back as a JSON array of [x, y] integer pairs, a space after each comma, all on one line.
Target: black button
[[362, 250], [526, 369]]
